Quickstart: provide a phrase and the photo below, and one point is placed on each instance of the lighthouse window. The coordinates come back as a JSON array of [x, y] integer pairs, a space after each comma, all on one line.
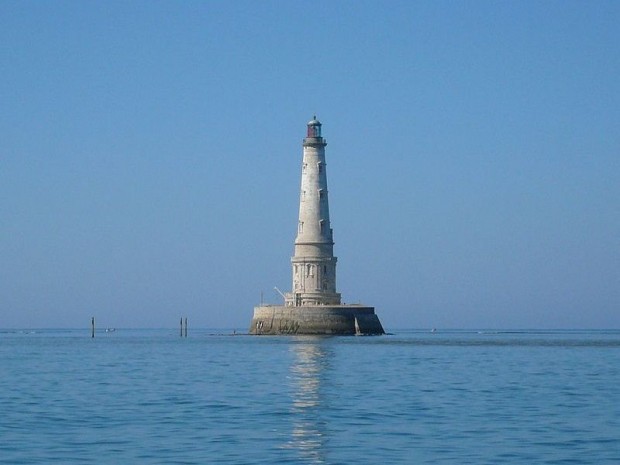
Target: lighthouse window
[[301, 226], [321, 194], [322, 226], [320, 167]]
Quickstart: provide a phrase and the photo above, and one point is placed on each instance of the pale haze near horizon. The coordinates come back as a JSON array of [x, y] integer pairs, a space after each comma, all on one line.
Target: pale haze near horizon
[[150, 160]]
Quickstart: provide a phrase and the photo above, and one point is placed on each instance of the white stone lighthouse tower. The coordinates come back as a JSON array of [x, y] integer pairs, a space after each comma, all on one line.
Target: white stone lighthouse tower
[[313, 305], [314, 264]]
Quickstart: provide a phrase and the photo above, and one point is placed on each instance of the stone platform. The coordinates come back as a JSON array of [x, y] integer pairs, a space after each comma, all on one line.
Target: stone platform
[[320, 319]]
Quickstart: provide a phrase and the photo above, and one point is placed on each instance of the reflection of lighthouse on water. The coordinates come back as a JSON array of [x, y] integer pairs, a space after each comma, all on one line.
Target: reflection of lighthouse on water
[[308, 433]]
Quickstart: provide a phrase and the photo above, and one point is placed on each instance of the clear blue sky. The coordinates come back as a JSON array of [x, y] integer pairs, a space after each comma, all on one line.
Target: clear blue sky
[[150, 157]]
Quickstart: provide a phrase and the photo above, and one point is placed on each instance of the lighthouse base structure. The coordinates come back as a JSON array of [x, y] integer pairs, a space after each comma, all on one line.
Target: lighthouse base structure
[[315, 320]]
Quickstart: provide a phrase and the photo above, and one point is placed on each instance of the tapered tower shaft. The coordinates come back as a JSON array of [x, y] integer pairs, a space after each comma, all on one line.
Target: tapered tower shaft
[[313, 264]]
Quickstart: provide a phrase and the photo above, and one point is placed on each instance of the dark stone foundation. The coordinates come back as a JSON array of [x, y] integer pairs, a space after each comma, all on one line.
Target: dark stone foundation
[[320, 319]]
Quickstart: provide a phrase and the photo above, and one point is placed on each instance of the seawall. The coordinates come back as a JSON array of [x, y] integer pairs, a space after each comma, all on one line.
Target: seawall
[[320, 319]]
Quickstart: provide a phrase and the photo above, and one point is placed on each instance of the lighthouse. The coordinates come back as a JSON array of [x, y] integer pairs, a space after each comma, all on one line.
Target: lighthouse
[[314, 264], [314, 305]]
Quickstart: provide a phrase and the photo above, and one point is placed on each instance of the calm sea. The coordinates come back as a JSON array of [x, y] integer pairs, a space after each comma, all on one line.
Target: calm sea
[[151, 397]]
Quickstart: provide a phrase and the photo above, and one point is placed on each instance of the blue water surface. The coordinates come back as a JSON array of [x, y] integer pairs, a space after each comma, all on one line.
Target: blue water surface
[[449, 397]]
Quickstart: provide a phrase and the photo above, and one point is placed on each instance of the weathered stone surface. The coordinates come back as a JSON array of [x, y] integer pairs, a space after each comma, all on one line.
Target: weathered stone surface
[[323, 319]]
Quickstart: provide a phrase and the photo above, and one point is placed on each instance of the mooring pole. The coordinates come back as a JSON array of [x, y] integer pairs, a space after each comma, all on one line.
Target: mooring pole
[[186, 327], [92, 326], [181, 327]]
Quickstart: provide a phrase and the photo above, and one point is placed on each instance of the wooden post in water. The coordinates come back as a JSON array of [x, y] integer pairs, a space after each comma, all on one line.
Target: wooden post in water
[[181, 326], [92, 326], [185, 326]]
